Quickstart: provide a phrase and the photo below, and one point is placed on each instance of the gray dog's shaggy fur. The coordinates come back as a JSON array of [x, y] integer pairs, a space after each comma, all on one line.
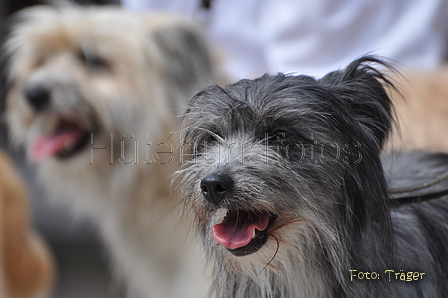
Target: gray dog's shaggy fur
[[290, 196]]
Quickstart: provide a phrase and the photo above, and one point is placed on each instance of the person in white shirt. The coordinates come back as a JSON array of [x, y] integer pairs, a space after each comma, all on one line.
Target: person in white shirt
[[314, 37]]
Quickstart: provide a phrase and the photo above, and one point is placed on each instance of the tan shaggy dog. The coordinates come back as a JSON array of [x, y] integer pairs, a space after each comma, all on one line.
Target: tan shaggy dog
[[94, 95], [26, 267]]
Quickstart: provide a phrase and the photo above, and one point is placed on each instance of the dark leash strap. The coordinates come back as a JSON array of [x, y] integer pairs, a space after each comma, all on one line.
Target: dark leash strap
[[406, 195]]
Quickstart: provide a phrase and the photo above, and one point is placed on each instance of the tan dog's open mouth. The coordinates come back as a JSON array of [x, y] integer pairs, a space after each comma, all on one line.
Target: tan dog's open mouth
[[65, 141]]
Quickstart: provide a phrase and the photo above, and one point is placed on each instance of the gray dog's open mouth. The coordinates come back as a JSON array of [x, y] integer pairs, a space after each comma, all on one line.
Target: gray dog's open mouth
[[243, 232], [65, 141]]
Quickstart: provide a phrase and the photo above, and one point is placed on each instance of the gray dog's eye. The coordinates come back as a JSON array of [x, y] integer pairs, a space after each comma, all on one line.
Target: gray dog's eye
[[280, 137], [211, 139], [205, 142]]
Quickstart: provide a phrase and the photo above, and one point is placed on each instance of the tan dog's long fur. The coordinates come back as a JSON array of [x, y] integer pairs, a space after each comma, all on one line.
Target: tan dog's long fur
[[25, 262], [122, 76]]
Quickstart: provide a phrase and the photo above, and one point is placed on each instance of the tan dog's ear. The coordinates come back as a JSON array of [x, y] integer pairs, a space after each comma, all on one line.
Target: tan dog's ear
[[185, 54], [185, 51]]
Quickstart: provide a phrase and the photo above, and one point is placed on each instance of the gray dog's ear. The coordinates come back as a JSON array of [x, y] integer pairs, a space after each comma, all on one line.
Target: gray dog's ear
[[185, 54], [363, 88]]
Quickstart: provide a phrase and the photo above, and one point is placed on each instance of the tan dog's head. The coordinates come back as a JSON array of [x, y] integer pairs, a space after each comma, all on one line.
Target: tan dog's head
[[75, 71]]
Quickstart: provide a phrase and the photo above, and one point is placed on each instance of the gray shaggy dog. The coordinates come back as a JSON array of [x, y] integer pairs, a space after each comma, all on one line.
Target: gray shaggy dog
[[292, 197]]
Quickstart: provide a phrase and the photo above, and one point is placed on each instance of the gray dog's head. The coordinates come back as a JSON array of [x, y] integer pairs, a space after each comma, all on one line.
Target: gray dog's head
[[278, 164]]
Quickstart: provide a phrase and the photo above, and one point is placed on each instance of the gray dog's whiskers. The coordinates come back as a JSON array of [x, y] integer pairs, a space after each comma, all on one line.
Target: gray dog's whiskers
[[273, 257]]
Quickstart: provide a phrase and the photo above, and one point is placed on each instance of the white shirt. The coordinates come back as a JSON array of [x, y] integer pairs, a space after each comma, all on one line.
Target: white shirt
[[317, 36]]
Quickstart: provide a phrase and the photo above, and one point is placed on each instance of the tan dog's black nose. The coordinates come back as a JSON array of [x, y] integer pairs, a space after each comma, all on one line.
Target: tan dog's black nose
[[38, 96], [215, 186]]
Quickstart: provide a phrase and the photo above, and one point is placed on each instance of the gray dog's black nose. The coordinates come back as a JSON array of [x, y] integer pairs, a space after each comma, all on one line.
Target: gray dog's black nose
[[38, 97], [215, 186]]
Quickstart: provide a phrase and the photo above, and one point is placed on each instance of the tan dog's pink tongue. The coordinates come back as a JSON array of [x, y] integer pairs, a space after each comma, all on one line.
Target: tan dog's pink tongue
[[238, 231], [49, 145]]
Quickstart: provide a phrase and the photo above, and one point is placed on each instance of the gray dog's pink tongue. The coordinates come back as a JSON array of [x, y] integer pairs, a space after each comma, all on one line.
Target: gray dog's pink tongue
[[237, 231], [49, 145]]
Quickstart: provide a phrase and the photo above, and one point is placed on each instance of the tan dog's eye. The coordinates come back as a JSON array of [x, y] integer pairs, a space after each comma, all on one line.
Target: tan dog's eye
[[92, 61], [39, 61]]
